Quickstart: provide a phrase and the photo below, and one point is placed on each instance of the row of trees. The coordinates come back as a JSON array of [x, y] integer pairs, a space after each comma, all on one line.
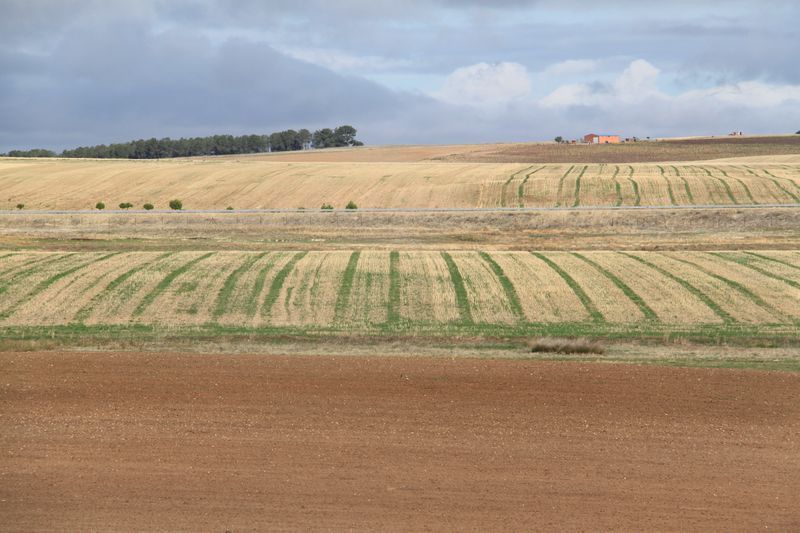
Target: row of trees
[[215, 145]]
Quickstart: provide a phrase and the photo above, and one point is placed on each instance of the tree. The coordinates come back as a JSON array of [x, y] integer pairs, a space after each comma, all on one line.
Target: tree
[[148, 206], [125, 205], [177, 205], [344, 135], [20, 206], [323, 138], [559, 139], [351, 205], [100, 206], [326, 207]]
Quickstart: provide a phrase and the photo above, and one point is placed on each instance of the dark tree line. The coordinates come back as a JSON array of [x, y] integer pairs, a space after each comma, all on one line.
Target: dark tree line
[[281, 141], [35, 152]]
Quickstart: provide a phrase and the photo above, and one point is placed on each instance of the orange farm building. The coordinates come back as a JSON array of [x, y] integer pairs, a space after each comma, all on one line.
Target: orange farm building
[[594, 138]]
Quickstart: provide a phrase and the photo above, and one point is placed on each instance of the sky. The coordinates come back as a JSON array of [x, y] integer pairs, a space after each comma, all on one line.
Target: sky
[[76, 73]]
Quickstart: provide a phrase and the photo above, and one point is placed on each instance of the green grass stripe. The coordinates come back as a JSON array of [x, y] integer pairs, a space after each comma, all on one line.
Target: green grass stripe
[[461, 291], [229, 286], [577, 193], [511, 178], [748, 264], [251, 305], [277, 283], [165, 283], [86, 310], [44, 284], [648, 313], [508, 287], [743, 184], [711, 304], [750, 295], [724, 183], [617, 187], [790, 180], [774, 179], [686, 187], [561, 185], [669, 185], [588, 304], [346, 287], [521, 188], [393, 311], [28, 268], [767, 258], [637, 199]]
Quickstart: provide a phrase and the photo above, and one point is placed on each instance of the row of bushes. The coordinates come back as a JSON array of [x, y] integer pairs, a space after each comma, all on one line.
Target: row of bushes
[[177, 205], [173, 204]]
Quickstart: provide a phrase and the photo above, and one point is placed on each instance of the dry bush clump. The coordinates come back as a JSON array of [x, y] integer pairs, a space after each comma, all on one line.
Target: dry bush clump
[[564, 345]]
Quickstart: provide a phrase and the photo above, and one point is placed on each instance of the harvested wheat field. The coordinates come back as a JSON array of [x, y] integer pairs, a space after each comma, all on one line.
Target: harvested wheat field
[[395, 291], [66, 184], [170, 441]]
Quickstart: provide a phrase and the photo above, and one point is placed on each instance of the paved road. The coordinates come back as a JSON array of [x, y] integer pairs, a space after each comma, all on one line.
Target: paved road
[[403, 210]]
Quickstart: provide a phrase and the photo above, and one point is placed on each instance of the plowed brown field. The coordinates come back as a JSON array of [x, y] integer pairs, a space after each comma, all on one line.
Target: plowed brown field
[[127, 441]]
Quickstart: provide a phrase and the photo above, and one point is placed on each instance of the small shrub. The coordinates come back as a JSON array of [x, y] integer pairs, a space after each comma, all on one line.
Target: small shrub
[[562, 345], [326, 206], [125, 205], [100, 206], [20, 206], [148, 206], [351, 205], [177, 205], [229, 208]]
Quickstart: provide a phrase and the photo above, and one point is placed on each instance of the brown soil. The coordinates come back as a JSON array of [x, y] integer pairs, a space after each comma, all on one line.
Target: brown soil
[[127, 441], [685, 149]]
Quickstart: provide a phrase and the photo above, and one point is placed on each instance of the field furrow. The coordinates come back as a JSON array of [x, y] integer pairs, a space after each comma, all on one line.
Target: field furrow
[[608, 299], [767, 293], [250, 288], [118, 303], [543, 295], [426, 290], [368, 302], [738, 306], [668, 298], [309, 295], [485, 294], [63, 301]]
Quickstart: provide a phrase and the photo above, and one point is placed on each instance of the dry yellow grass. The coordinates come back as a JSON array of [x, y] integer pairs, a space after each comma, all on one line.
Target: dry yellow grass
[[309, 294], [426, 290], [369, 299], [543, 294], [486, 297], [58, 184], [732, 301], [610, 301], [670, 300]]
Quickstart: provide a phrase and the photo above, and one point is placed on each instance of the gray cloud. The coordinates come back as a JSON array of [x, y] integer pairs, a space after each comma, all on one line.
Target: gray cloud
[[87, 71]]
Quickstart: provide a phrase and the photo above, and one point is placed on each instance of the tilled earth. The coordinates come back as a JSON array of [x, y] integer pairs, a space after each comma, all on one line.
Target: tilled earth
[[132, 441]]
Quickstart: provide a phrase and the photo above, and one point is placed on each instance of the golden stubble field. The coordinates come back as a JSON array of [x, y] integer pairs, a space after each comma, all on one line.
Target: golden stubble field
[[252, 183], [363, 291]]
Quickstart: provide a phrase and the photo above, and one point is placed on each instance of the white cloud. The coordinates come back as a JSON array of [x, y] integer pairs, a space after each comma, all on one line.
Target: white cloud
[[485, 84], [747, 94], [568, 95], [637, 82], [571, 67]]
